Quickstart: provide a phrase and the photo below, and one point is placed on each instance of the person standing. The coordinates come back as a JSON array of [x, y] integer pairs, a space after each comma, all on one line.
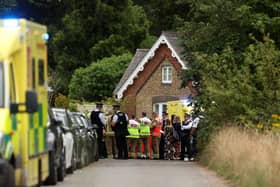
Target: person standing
[[110, 137], [169, 149], [195, 121], [176, 124], [165, 121], [155, 131], [145, 125], [97, 117], [133, 137], [119, 125], [186, 137]]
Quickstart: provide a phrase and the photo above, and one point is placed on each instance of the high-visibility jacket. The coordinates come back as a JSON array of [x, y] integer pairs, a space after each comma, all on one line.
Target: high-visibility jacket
[[144, 130], [133, 132]]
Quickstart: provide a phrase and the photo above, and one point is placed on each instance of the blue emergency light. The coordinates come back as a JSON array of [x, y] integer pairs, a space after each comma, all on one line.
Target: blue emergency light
[[46, 36]]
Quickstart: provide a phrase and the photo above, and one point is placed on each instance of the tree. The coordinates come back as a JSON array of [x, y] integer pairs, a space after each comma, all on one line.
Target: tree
[[165, 14], [93, 30], [97, 81], [232, 49], [6, 6]]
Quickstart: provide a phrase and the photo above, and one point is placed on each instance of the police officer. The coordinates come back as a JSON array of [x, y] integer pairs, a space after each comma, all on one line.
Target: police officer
[[119, 125], [97, 117], [186, 137]]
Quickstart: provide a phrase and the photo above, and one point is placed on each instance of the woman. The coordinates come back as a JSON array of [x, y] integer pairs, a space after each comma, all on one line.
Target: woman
[[176, 123], [168, 146]]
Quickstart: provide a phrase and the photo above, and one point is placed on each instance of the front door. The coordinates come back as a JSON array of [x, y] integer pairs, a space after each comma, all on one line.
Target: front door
[[159, 108]]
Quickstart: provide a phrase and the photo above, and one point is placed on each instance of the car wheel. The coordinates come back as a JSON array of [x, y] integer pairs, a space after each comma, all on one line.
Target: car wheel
[[61, 169], [7, 174], [52, 178]]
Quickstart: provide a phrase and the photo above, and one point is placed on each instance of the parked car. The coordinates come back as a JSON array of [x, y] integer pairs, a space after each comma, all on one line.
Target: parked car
[[68, 139], [81, 140], [92, 144], [56, 150]]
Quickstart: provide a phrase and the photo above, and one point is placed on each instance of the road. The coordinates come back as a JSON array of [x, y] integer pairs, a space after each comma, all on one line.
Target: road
[[143, 173]]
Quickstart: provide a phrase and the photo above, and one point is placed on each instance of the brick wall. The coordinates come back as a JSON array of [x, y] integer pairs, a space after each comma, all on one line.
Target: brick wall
[[155, 88], [148, 84]]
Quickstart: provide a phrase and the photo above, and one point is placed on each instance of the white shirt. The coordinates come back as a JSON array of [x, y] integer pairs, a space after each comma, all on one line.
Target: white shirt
[[186, 127], [115, 117], [195, 122], [145, 120], [133, 122], [101, 117]]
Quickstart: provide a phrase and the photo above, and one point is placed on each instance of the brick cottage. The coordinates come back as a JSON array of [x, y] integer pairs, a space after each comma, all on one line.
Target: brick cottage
[[152, 77]]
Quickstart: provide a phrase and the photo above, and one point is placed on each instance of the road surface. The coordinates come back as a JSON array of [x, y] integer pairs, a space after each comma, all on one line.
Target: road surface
[[142, 173]]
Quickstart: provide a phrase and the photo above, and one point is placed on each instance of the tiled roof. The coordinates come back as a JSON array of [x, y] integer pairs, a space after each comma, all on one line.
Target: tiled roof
[[176, 43], [139, 55], [172, 39]]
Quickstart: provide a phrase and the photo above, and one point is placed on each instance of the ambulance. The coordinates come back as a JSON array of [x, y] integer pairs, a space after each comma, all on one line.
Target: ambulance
[[179, 108], [23, 103]]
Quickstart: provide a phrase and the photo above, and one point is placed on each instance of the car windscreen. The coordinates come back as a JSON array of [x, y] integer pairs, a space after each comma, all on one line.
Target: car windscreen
[[1, 85]]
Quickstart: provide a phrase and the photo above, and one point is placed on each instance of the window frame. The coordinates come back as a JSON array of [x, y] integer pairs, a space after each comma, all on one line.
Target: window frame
[[166, 74]]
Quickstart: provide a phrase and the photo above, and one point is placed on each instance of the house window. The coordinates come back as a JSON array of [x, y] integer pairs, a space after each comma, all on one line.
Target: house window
[[167, 74]]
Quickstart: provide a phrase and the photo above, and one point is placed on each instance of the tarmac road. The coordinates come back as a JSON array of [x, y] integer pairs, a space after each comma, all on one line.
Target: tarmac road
[[142, 173]]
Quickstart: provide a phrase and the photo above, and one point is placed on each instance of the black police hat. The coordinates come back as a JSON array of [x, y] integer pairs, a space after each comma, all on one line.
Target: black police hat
[[116, 106], [99, 104], [164, 113]]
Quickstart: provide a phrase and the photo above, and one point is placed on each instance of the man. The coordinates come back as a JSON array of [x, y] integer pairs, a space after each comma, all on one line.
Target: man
[[97, 117], [165, 122], [145, 125], [133, 138], [119, 125], [155, 131], [186, 137], [195, 121]]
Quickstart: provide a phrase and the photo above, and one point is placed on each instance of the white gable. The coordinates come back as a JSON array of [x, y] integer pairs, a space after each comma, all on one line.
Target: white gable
[[140, 67]]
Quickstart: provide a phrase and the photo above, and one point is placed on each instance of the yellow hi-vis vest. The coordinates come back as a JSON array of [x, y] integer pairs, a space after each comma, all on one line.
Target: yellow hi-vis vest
[[133, 132], [144, 130]]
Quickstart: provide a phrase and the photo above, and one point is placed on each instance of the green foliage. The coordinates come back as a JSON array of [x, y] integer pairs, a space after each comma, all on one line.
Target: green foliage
[[97, 81], [61, 101], [232, 48], [92, 30], [165, 14], [5, 5], [148, 42]]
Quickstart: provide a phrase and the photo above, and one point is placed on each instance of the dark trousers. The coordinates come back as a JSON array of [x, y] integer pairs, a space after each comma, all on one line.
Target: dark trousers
[[122, 147], [101, 146], [186, 142], [161, 147]]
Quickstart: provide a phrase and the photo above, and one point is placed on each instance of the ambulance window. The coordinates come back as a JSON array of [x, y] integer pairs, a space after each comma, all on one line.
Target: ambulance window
[[12, 83], [1, 85], [41, 72], [33, 73]]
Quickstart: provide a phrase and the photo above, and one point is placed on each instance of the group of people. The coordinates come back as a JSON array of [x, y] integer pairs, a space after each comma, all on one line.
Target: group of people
[[155, 138]]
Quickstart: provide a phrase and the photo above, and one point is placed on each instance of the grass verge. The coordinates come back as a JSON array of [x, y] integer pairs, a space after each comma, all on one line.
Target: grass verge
[[247, 158]]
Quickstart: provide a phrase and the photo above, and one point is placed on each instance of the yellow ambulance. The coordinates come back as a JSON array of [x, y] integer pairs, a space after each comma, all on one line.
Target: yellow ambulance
[[179, 108], [23, 103]]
